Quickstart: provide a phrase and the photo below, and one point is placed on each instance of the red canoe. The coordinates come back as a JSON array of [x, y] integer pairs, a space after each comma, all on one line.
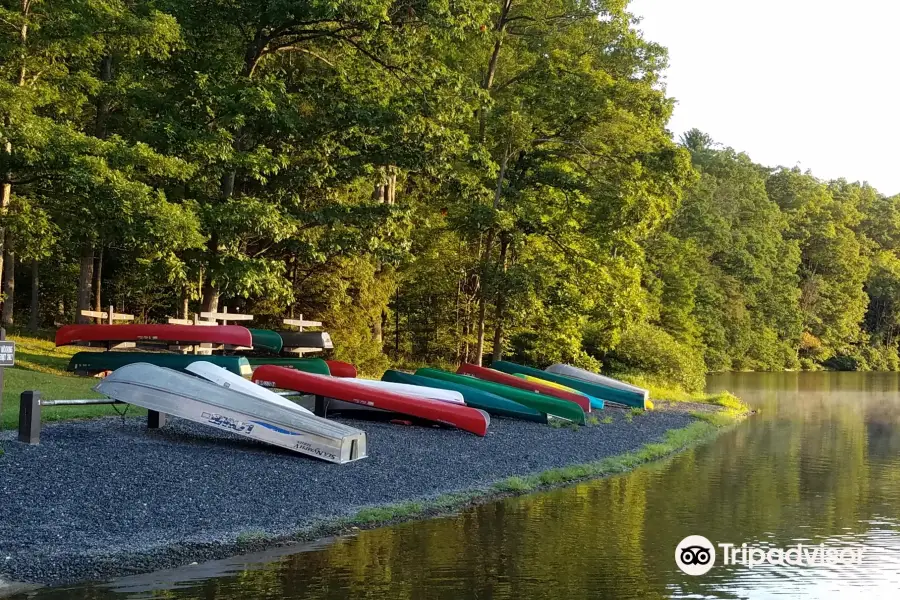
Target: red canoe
[[341, 369], [512, 381], [231, 335], [462, 417]]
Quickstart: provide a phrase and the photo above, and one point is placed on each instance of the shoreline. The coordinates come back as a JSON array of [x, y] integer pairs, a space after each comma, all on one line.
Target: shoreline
[[217, 496]]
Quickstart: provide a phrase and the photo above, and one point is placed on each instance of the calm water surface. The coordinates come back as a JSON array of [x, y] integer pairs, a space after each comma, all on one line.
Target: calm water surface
[[820, 463]]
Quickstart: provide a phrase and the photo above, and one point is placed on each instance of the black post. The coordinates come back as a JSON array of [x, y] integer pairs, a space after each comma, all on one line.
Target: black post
[[321, 409], [155, 420], [30, 417], [2, 337]]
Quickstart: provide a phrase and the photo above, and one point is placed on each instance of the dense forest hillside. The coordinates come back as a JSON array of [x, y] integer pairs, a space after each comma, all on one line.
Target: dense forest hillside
[[437, 181]]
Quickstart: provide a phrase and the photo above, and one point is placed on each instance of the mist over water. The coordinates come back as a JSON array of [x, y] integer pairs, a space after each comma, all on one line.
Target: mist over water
[[819, 464]]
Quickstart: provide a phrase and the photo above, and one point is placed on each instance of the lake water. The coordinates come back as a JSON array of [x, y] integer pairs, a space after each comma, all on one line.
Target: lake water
[[819, 464]]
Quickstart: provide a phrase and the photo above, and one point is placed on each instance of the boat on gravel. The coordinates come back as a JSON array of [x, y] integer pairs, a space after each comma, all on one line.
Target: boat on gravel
[[517, 382], [188, 397], [599, 389], [227, 379], [492, 403], [596, 403], [585, 375], [348, 390], [545, 404], [91, 363], [228, 335], [418, 391]]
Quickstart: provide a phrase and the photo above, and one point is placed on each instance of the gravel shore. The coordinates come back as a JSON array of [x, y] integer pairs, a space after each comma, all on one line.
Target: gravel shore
[[107, 497]]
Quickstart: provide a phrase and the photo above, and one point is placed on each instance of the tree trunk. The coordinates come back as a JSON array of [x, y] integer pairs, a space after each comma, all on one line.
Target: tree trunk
[[98, 274], [479, 346], [500, 305], [85, 280], [6, 148], [9, 285], [185, 302], [210, 302], [34, 319], [486, 261]]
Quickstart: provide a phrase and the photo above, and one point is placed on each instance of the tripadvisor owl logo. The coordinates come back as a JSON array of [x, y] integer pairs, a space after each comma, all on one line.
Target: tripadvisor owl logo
[[695, 555]]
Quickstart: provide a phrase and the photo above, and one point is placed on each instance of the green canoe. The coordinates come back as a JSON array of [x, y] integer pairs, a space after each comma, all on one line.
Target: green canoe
[[545, 404], [97, 362], [491, 403], [608, 393], [266, 340], [307, 365]]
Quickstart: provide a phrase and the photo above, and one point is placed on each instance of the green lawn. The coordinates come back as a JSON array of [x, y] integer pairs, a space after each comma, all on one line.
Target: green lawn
[[41, 366]]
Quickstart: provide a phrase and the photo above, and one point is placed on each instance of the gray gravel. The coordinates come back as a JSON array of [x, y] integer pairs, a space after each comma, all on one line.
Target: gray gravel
[[107, 497]]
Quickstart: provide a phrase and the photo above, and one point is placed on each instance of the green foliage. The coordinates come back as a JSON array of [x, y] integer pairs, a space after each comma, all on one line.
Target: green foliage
[[648, 349], [434, 181]]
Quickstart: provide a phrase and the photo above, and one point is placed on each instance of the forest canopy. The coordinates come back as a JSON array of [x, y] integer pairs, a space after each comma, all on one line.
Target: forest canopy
[[436, 181]]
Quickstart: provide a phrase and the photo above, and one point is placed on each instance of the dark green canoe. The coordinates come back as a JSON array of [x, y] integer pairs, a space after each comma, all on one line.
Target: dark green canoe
[[97, 362], [266, 340], [307, 365], [491, 403], [539, 402], [604, 392]]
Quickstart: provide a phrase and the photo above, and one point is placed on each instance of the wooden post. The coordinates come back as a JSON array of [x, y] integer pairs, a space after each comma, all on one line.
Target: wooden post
[[30, 418], [109, 320]]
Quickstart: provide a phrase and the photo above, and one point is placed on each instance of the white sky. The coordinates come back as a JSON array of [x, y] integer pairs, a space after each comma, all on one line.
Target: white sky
[[809, 83]]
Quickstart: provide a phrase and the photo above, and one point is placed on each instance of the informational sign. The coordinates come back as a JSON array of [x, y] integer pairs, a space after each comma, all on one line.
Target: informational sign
[[7, 353]]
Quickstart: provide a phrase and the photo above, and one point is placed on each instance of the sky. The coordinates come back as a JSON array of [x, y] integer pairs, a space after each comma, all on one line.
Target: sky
[[808, 83]]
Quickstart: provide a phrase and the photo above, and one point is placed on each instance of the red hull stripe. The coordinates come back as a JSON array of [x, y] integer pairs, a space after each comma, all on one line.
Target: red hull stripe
[[461, 417], [539, 388], [232, 335], [341, 369]]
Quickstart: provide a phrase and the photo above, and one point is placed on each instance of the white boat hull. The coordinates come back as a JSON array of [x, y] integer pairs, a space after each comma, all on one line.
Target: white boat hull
[[416, 391], [590, 377], [173, 393]]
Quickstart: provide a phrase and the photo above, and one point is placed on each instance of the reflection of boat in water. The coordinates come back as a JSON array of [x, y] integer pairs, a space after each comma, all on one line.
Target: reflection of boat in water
[[279, 423]]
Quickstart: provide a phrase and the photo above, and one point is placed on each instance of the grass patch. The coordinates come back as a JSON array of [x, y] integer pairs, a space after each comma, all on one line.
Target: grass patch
[[385, 514], [606, 420], [513, 485], [41, 366], [591, 420]]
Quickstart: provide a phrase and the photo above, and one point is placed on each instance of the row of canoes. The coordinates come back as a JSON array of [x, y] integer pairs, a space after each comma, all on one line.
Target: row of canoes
[[464, 399]]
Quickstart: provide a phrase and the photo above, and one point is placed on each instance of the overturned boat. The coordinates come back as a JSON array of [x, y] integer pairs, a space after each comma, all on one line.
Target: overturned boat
[[490, 403], [605, 388], [195, 399], [538, 388], [348, 390], [91, 363], [539, 402], [228, 335]]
